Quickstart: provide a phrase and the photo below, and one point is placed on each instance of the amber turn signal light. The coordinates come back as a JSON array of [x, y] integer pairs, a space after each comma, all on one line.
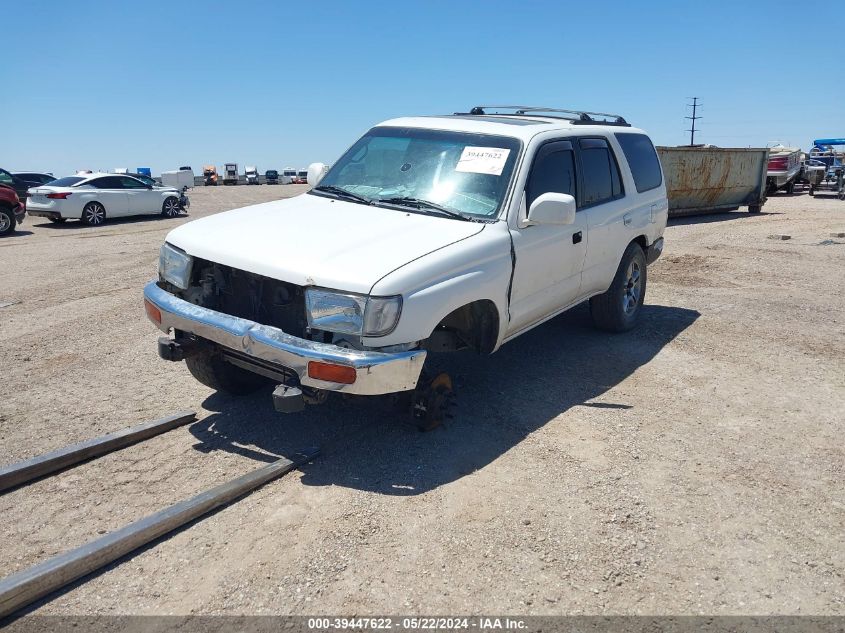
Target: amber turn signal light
[[152, 312], [331, 373]]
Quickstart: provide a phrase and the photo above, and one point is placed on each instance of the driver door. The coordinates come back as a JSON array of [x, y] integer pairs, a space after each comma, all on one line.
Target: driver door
[[549, 259]]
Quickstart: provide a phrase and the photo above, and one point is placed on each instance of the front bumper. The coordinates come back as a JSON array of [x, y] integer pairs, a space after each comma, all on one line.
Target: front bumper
[[20, 213], [376, 372]]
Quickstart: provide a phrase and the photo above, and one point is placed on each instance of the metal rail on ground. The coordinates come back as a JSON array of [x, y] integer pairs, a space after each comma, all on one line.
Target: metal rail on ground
[[17, 474], [27, 586]]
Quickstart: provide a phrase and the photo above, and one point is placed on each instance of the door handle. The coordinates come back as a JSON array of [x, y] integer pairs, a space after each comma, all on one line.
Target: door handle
[[577, 237]]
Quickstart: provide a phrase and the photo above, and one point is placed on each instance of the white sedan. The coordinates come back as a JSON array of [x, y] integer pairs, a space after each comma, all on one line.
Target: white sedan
[[93, 198]]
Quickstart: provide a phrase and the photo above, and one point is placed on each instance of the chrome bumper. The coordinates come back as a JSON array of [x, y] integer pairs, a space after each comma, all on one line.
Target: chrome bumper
[[376, 372]]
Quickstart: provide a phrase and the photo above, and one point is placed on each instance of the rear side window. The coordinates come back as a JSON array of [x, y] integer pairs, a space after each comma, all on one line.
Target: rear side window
[[642, 159], [107, 182], [6, 178], [66, 182], [553, 170], [602, 181]]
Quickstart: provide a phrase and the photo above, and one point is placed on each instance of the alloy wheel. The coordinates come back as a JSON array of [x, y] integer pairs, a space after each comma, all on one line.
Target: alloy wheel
[[171, 207], [95, 213], [632, 288]]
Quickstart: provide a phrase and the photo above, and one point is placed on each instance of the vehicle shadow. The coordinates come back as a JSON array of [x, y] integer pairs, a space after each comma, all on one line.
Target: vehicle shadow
[[73, 225], [706, 218], [502, 398]]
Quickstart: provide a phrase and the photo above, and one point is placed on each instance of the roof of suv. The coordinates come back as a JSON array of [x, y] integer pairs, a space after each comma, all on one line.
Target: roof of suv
[[522, 127]]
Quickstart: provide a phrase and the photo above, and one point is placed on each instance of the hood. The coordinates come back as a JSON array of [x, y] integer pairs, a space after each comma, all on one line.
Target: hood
[[315, 241]]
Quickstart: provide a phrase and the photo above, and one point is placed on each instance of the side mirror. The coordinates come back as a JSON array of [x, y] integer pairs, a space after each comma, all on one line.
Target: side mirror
[[316, 171], [552, 208]]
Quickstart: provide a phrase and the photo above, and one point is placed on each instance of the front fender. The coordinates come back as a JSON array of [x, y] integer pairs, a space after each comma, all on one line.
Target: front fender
[[433, 286]]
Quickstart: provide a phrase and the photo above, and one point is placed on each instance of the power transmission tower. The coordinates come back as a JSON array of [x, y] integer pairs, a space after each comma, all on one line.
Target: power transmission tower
[[695, 104]]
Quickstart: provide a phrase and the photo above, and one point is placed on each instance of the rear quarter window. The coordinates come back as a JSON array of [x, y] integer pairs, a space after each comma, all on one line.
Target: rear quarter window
[[642, 159]]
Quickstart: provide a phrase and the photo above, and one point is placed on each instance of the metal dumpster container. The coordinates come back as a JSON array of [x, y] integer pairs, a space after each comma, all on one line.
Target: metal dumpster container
[[713, 179]]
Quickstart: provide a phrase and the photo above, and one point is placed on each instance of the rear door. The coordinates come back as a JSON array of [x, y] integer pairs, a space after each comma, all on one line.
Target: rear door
[[139, 197], [607, 210], [111, 194]]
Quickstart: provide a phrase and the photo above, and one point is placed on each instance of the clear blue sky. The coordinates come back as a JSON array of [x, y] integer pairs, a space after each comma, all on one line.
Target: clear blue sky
[[162, 84]]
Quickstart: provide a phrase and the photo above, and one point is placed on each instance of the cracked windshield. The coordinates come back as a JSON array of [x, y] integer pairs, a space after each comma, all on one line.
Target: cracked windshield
[[463, 173]]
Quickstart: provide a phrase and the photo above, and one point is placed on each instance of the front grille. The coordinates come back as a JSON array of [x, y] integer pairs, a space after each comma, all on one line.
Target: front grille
[[249, 296]]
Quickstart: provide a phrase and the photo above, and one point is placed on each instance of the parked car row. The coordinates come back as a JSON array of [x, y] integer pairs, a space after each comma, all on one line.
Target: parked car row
[[252, 176], [90, 197]]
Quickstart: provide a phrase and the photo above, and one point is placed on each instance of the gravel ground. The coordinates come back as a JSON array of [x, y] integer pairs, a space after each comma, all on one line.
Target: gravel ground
[[694, 465]]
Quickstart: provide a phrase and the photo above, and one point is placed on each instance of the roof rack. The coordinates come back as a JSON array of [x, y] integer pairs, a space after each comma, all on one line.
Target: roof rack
[[578, 117]]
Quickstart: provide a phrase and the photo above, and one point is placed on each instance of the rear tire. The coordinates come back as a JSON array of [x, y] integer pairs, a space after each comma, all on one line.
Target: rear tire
[[211, 370], [94, 214], [8, 221], [617, 309]]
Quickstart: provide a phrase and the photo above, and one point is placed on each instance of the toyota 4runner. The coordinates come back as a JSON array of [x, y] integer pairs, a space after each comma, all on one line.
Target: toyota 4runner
[[429, 234]]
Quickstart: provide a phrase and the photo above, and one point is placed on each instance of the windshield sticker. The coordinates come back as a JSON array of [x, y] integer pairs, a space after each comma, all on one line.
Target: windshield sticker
[[483, 160]]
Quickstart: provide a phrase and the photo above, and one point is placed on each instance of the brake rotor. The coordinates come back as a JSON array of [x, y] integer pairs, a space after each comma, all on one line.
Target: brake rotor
[[432, 402]]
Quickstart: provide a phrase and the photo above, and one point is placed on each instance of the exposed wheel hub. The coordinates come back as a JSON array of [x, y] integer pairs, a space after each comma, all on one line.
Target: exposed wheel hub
[[432, 401]]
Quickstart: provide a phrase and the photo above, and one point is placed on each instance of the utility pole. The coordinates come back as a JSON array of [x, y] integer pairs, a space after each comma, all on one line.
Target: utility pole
[[693, 118]]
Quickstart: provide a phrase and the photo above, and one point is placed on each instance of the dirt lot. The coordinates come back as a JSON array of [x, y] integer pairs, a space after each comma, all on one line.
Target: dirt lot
[[695, 465]]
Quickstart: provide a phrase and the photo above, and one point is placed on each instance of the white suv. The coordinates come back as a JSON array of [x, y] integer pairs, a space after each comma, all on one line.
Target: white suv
[[429, 234]]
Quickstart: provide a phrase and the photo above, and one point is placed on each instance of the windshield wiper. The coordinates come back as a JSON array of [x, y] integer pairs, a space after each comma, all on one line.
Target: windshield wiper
[[419, 203], [342, 193]]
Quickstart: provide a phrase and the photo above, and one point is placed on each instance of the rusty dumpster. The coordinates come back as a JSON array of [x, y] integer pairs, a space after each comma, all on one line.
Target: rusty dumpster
[[714, 179]]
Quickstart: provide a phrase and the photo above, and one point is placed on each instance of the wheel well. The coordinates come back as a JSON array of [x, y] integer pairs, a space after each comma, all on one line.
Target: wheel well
[[473, 326], [642, 241]]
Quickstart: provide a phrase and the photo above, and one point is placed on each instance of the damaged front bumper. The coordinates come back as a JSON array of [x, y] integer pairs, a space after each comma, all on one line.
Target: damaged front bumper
[[375, 372]]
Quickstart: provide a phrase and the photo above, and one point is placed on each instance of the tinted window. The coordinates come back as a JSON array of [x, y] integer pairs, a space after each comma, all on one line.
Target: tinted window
[[107, 182], [642, 159], [6, 177], [145, 179], [553, 170], [131, 183], [601, 174], [66, 182]]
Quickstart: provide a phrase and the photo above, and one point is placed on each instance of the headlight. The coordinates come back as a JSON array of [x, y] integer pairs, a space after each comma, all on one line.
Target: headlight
[[174, 266], [350, 313]]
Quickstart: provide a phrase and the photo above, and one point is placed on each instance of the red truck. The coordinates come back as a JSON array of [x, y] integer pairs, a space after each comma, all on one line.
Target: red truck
[[12, 212]]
